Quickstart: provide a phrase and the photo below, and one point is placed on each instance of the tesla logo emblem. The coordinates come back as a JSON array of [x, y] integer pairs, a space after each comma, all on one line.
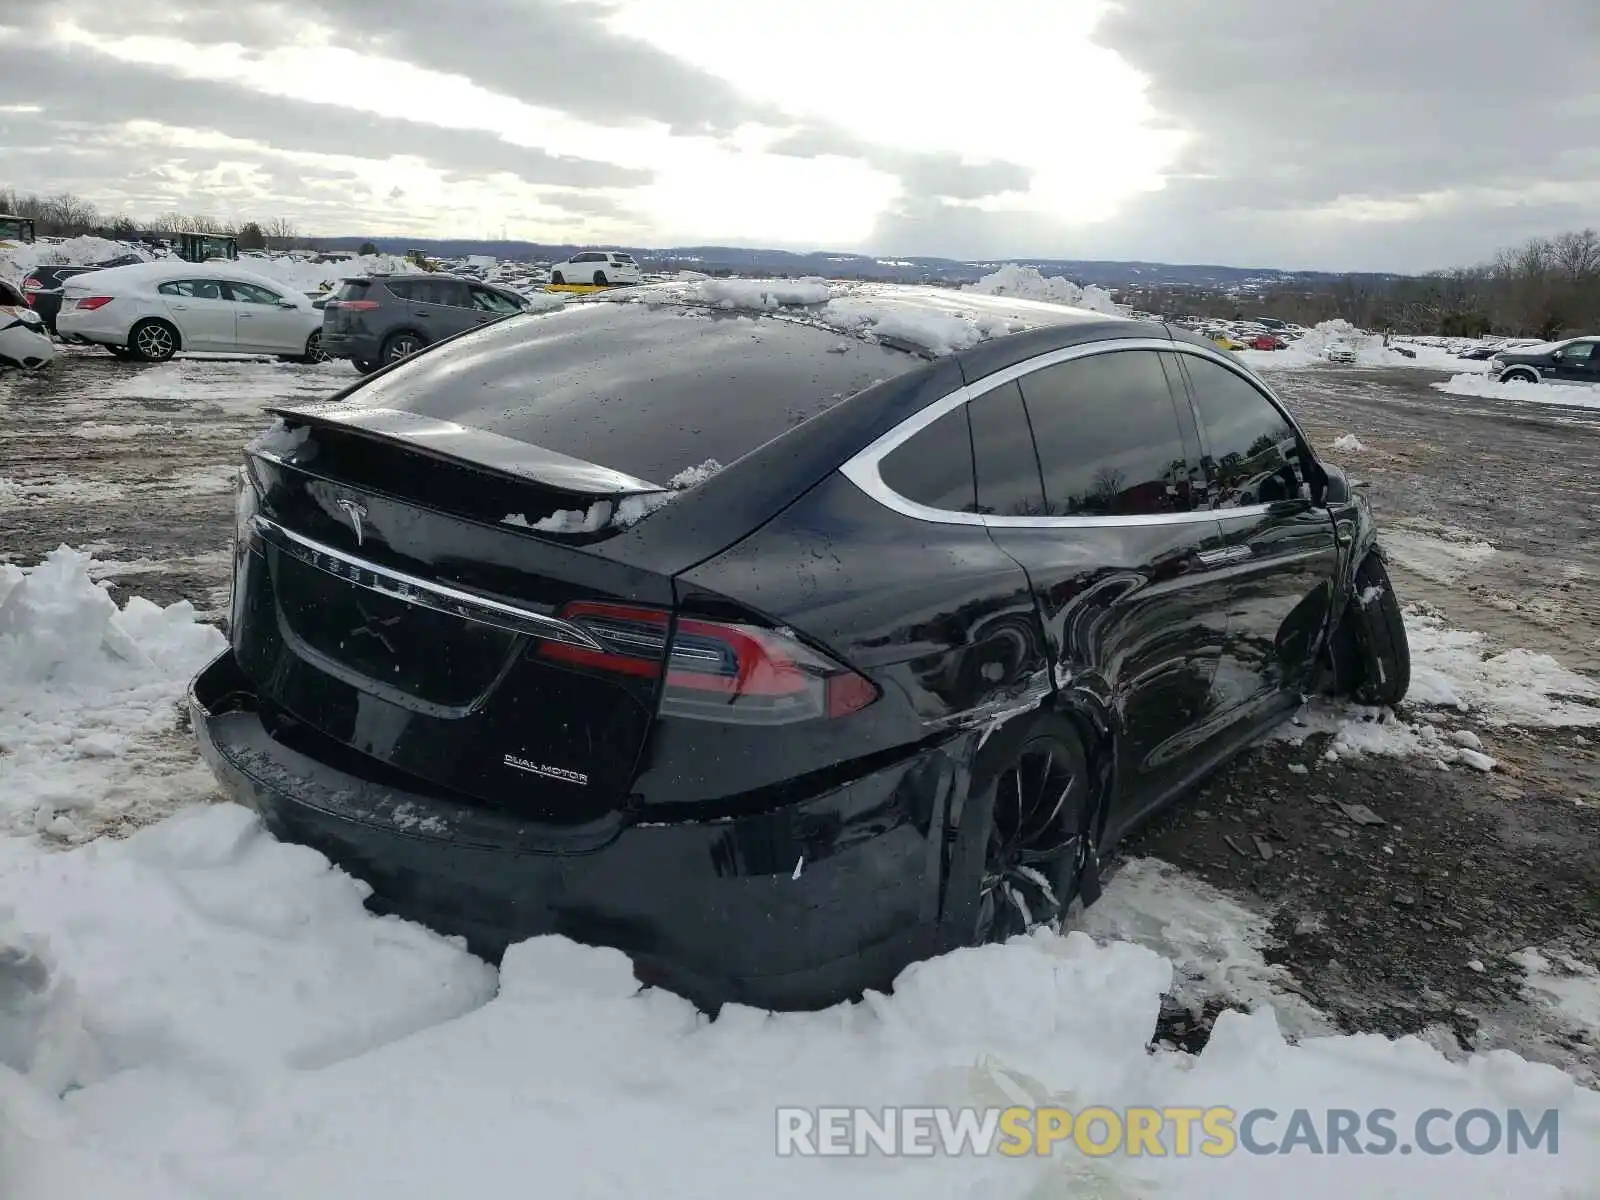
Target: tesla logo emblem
[[357, 513]]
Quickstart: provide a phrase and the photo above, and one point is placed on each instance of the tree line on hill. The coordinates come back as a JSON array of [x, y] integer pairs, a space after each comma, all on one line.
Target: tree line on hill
[[67, 215], [1546, 287]]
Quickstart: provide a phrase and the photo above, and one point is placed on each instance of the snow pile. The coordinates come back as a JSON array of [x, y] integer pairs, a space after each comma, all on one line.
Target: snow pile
[[763, 293], [1451, 670], [312, 277], [84, 688], [1313, 346], [204, 941], [1484, 388], [1028, 283], [18, 258], [1566, 986], [1348, 443], [1215, 944], [620, 514], [930, 331], [1444, 560], [264, 1057]]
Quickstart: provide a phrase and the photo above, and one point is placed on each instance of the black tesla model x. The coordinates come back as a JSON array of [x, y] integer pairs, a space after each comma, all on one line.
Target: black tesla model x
[[766, 645]]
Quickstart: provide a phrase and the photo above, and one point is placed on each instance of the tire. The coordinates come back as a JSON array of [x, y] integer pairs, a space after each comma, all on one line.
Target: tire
[[365, 365], [313, 352], [1380, 656], [153, 341], [600, 279], [1519, 375], [1035, 834], [401, 345], [558, 278]]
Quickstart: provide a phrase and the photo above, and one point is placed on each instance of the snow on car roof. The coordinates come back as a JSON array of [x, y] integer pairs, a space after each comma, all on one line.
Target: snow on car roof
[[177, 268], [931, 320]]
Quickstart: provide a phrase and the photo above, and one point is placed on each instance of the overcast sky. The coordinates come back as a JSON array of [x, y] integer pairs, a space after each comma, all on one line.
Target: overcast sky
[[1345, 134]]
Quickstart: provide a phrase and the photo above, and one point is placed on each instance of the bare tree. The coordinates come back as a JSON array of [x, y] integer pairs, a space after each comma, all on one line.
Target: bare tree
[[280, 233]]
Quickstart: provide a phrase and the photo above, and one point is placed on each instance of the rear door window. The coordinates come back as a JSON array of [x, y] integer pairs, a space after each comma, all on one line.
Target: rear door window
[[1253, 452], [249, 293], [1108, 437], [194, 289], [934, 467], [1004, 462]]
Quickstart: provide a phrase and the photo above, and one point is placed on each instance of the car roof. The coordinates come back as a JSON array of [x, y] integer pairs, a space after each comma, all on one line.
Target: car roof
[[164, 269]]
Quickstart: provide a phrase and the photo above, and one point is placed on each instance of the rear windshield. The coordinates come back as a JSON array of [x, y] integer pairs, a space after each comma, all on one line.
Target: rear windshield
[[649, 391], [352, 289], [622, 257]]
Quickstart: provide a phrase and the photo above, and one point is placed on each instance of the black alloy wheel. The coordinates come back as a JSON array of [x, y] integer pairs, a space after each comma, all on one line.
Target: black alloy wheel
[[1039, 836]]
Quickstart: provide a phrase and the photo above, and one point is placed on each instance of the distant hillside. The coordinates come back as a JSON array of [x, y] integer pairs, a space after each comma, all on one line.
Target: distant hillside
[[731, 259]]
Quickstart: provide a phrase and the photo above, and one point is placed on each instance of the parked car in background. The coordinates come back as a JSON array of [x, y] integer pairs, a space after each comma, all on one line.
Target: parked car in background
[[601, 267], [509, 645], [24, 344], [1266, 341], [152, 311], [42, 286], [374, 320], [1340, 352], [1576, 360]]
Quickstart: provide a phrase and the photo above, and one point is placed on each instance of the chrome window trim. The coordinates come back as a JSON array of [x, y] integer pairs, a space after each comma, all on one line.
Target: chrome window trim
[[862, 468], [423, 593]]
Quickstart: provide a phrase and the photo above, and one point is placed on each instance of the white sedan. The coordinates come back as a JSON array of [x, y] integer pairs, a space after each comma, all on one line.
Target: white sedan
[[151, 311], [24, 344]]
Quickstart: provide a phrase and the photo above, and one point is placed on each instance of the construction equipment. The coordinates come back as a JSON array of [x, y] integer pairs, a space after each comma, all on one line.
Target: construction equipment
[[15, 229]]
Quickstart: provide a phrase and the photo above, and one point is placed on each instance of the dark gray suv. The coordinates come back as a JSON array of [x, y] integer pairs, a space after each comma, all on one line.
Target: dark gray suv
[[379, 319]]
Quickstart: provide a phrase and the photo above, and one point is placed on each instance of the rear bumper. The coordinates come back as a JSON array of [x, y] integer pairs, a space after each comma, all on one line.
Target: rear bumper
[[342, 345], [792, 909]]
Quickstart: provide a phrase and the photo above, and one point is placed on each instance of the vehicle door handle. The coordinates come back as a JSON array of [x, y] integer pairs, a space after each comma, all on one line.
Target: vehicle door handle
[[179, 307], [1223, 556]]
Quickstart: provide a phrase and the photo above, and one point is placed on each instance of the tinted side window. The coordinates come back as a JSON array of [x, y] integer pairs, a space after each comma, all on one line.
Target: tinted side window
[[406, 289], [249, 293], [1578, 352], [934, 468], [1254, 453], [1003, 460], [1108, 437]]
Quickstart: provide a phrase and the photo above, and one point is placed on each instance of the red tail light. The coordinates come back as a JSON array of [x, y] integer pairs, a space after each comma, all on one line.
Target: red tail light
[[353, 305], [716, 670], [90, 303], [31, 284]]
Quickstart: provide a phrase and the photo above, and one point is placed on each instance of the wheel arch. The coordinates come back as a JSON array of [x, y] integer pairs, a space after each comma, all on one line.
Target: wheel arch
[[1087, 710], [177, 334]]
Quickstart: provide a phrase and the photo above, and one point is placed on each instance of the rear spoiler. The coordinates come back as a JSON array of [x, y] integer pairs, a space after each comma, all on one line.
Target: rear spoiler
[[469, 447]]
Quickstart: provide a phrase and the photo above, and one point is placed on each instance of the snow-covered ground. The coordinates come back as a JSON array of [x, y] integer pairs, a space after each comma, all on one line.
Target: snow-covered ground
[[1369, 349], [198, 1011], [1479, 385]]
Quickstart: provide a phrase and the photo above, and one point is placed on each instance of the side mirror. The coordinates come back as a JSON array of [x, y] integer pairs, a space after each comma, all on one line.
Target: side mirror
[[1557, 354], [287, 304]]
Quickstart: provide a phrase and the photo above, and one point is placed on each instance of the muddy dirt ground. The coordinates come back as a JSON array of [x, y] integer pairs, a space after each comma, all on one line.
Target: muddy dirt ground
[[1396, 927]]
